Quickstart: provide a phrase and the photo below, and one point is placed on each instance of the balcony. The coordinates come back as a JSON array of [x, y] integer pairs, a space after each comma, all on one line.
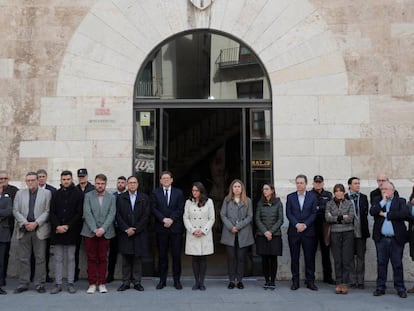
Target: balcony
[[149, 88], [235, 57]]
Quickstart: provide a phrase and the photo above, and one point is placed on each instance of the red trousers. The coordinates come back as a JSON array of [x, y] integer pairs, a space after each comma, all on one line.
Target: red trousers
[[97, 253]]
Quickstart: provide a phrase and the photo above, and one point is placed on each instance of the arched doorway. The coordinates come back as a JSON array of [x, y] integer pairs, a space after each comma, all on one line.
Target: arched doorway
[[202, 110]]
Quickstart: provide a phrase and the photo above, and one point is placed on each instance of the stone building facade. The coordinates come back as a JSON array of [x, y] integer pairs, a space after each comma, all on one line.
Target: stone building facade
[[341, 75]]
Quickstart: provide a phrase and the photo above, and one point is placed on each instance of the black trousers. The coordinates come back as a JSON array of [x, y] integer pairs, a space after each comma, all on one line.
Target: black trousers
[[169, 242], [236, 258], [113, 256], [199, 264], [131, 269], [325, 250], [342, 246], [269, 266]]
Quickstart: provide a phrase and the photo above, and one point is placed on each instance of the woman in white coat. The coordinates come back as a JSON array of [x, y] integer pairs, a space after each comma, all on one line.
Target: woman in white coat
[[198, 221]]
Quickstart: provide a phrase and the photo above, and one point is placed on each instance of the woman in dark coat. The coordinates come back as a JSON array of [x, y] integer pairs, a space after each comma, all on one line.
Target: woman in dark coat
[[132, 211], [269, 219]]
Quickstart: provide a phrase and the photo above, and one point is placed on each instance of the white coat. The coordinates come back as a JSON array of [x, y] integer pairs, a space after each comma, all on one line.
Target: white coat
[[199, 218]]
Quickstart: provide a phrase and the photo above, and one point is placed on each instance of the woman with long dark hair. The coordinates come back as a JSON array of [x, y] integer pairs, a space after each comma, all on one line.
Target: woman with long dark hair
[[198, 221], [237, 215], [339, 213], [269, 219]]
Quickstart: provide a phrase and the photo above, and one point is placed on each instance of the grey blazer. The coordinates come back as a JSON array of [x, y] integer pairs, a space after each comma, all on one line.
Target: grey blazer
[[97, 216], [240, 216], [41, 212], [6, 210]]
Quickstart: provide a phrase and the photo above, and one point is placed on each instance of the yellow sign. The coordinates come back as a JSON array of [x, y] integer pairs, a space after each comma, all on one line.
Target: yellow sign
[[261, 164], [144, 118]]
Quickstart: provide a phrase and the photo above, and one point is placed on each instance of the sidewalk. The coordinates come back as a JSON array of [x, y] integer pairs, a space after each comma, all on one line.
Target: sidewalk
[[216, 297]]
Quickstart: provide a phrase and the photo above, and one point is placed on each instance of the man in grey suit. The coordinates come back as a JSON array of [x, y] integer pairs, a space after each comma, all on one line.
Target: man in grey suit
[[31, 211]]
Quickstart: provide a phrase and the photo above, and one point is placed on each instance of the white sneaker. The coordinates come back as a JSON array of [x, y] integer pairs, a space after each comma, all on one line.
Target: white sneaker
[[102, 289], [91, 289]]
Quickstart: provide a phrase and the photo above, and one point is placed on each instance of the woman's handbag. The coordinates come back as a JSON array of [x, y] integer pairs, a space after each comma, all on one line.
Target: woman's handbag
[[327, 233]]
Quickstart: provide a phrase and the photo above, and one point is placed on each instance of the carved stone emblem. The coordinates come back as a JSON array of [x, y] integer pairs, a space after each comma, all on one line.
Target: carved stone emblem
[[201, 4]]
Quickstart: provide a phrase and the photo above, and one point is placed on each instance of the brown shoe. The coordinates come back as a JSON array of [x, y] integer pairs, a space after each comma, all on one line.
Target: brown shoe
[[411, 290], [344, 289], [338, 289]]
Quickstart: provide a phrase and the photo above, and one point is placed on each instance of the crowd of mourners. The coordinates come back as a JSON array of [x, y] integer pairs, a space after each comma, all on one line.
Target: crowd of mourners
[[116, 223]]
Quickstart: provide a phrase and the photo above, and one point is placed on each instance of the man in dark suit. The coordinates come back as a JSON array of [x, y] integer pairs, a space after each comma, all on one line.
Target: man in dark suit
[[361, 231], [11, 191], [376, 195], [6, 210], [390, 235], [42, 179], [301, 208], [167, 204], [132, 211]]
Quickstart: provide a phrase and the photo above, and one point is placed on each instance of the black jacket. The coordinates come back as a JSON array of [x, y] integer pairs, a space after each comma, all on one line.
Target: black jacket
[[398, 214], [66, 208], [363, 214], [136, 244]]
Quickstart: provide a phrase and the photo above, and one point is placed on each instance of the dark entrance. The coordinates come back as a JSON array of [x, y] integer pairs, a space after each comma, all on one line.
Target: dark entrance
[[202, 110]]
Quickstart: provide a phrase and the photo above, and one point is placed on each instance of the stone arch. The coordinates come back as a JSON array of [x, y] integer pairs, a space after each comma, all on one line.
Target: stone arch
[[290, 37]]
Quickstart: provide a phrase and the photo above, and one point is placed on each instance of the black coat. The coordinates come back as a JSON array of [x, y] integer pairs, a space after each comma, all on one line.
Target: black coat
[[136, 244], [363, 214], [174, 210], [66, 208], [397, 215]]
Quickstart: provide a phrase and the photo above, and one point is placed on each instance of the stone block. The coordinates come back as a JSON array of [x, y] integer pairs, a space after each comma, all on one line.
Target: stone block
[[6, 68], [71, 132], [288, 167], [402, 30], [292, 110], [403, 166], [385, 110], [108, 134], [344, 110], [112, 148], [297, 147], [106, 166], [359, 146], [329, 147], [75, 86], [55, 149], [335, 167]]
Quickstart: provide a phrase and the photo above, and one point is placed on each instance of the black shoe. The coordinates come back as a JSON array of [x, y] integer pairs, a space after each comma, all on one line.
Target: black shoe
[[123, 287], [402, 294], [2, 291], [240, 285], [353, 285], [266, 285], [160, 285], [20, 289], [40, 289], [311, 286], [272, 286], [361, 286], [202, 287], [231, 285], [295, 285], [109, 279], [139, 287], [49, 279], [178, 285], [195, 287], [379, 292]]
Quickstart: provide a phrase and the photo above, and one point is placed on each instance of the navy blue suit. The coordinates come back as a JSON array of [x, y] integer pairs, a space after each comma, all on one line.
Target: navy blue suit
[[306, 239], [168, 238], [390, 248]]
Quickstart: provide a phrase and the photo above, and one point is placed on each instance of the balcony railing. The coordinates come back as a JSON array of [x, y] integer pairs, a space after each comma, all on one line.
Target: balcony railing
[[149, 88], [232, 57]]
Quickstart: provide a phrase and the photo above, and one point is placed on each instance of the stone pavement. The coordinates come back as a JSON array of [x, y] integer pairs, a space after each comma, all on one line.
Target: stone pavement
[[216, 297]]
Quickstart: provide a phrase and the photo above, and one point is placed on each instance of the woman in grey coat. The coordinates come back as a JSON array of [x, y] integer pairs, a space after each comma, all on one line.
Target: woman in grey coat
[[237, 215], [269, 219], [340, 214]]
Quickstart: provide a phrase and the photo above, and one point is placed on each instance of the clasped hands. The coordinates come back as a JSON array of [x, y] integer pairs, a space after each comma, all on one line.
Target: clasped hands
[[167, 222], [99, 232], [198, 233], [30, 226]]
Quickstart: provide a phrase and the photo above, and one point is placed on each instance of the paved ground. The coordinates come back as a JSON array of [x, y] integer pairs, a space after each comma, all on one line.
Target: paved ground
[[216, 297]]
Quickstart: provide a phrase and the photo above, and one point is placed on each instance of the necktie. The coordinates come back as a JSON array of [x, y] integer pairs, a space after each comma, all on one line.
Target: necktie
[[166, 196], [355, 199]]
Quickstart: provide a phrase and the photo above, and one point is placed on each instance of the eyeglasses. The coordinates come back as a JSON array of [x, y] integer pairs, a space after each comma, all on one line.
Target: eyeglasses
[[4, 178], [381, 180]]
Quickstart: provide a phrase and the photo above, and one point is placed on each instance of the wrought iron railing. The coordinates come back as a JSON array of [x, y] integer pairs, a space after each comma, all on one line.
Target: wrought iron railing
[[232, 57], [149, 88]]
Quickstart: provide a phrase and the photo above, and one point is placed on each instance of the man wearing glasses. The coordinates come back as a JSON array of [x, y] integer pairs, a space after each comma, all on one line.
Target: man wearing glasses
[[375, 195]]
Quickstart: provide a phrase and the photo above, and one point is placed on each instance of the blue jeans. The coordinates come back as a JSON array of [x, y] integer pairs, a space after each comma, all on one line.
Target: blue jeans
[[388, 249]]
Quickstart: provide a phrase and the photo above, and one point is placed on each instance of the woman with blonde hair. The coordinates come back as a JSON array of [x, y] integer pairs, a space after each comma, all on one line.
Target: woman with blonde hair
[[237, 215]]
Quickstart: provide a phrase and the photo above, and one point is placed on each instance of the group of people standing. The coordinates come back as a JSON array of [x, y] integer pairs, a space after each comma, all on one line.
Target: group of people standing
[[338, 223]]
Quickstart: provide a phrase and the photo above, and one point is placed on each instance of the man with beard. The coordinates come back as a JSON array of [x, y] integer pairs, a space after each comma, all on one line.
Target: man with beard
[[65, 219]]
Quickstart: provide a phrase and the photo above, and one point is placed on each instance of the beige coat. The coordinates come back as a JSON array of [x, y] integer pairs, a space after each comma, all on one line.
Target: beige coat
[[41, 212], [199, 218]]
